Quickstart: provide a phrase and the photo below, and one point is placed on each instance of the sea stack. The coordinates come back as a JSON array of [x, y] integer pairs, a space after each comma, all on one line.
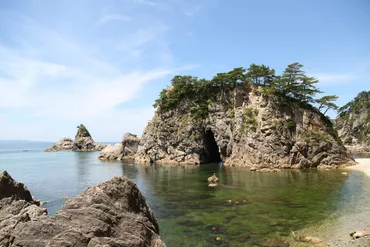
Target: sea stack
[[240, 123], [83, 142]]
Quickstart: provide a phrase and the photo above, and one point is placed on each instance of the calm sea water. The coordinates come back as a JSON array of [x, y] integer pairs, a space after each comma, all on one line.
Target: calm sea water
[[263, 206]]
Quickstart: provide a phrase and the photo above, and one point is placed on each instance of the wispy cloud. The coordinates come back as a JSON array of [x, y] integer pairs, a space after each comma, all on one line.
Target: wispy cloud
[[112, 17], [331, 78], [191, 11]]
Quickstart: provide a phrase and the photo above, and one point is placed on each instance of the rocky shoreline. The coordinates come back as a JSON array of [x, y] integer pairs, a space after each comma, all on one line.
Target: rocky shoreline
[[113, 213]]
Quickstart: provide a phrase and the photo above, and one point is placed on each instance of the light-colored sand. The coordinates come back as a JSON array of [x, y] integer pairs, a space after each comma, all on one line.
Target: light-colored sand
[[363, 164]]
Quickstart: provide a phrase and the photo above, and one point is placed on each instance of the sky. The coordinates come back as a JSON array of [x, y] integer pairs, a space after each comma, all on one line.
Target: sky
[[103, 63]]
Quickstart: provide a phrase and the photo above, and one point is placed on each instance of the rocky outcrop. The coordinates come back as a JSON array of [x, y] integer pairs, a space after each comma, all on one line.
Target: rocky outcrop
[[254, 129], [113, 213], [10, 188], [64, 144], [125, 150], [353, 123], [83, 142]]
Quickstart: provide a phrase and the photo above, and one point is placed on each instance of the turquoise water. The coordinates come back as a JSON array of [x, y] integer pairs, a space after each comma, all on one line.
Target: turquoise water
[[264, 207]]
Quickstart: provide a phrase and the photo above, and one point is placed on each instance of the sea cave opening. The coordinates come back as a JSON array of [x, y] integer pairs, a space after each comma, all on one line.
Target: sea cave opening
[[211, 150]]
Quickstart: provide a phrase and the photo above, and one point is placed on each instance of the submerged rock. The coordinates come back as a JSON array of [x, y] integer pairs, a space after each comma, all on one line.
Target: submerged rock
[[125, 150], [113, 213], [255, 129], [83, 142]]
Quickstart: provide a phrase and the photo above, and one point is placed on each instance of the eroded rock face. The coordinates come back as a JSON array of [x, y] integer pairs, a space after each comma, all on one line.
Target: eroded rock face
[[113, 213], [258, 131], [83, 142], [353, 123], [121, 151]]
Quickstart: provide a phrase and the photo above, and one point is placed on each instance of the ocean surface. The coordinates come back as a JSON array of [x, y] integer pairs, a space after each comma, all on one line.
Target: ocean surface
[[246, 209]]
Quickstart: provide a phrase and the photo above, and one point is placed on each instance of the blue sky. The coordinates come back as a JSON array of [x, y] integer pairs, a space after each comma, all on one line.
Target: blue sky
[[103, 63]]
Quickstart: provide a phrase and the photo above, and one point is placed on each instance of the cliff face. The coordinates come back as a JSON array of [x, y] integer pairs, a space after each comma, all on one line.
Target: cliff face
[[257, 130], [113, 213], [353, 122], [83, 142]]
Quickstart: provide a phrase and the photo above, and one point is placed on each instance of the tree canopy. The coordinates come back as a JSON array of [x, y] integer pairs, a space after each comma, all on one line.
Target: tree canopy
[[293, 84]]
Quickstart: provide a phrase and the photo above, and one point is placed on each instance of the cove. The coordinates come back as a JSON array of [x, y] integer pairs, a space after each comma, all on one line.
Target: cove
[[264, 207]]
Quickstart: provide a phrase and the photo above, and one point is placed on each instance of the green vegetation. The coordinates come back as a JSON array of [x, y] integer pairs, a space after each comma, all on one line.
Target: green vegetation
[[358, 110], [312, 135], [327, 102], [359, 104], [249, 120], [196, 95]]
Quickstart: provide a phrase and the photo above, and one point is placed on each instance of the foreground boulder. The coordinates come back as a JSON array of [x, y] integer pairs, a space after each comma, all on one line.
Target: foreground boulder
[[83, 142], [113, 213], [353, 123], [241, 127], [10, 188], [125, 150]]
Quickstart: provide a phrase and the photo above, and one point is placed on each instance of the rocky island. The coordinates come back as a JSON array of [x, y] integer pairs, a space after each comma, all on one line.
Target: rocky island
[[113, 213], [353, 123], [250, 118], [83, 142]]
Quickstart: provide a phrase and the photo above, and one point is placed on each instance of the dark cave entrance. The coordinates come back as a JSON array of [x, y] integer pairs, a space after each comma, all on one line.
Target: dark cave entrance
[[211, 151]]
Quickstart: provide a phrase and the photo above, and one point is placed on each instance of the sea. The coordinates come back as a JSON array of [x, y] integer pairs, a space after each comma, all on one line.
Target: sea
[[245, 209]]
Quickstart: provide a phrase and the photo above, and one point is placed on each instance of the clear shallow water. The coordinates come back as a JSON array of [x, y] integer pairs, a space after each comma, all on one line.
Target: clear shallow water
[[264, 205]]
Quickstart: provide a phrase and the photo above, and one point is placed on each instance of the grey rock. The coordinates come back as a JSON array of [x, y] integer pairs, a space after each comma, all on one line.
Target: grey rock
[[113, 213], [83, 142], [64, 144], [259, 132], [353, 124], [125, 150]]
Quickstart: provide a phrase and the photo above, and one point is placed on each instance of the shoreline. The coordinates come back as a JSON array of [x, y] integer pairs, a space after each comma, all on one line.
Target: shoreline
[[362, 164]]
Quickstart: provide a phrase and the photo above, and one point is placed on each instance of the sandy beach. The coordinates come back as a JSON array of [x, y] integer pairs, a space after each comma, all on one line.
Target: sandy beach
[[363, 164]]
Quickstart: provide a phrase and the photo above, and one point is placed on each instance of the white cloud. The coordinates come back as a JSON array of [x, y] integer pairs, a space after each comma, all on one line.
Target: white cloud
[[331, 78], [112, 17], [88, 93]]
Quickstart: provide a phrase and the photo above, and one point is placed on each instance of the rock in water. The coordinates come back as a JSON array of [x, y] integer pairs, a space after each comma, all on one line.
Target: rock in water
[[213, 178], [83, 142], [353, 123], [113, 213], [253, 130], [122, 151], [64, 144]]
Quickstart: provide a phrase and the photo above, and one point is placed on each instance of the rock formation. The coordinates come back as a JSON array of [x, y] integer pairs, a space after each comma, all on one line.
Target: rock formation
[[353, 123], [249, 128], [83, 142], [125, 150], [113, 213]]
